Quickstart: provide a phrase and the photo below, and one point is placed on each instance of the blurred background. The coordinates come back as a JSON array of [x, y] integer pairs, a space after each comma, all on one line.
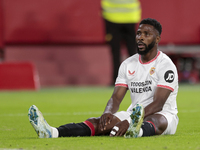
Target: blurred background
[[53, 43]]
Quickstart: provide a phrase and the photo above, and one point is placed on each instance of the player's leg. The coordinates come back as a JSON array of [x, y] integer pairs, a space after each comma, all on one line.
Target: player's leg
[[42, 128], [136, 122], [98, 131], [89, 127], [163, 122], [157, 124], [154, 124], [158, 121], [121, 127]]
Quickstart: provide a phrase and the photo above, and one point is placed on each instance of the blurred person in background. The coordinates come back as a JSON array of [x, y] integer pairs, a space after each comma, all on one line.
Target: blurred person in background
[[121, 17]]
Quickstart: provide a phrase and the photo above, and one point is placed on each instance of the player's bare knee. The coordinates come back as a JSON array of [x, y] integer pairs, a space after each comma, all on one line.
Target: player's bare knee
[[163, 123], [159, 121], [95, 122]]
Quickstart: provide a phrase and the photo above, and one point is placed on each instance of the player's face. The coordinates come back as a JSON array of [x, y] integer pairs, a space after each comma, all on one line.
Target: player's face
[[145, 38]]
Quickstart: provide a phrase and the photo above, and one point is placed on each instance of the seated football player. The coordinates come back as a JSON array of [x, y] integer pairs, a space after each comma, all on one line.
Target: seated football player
[[152, 79]]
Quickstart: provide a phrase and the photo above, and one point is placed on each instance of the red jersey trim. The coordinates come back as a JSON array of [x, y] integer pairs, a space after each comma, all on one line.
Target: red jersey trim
[[150, 60], [90, 125], [167, 87], [120, 84]]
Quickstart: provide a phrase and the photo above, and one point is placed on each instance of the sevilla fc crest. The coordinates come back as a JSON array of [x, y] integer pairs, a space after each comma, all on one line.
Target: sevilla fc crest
[[152, 70]]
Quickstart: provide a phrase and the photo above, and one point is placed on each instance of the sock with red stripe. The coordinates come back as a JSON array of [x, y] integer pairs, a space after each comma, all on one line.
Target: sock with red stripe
[[147, 129], [76, 129]]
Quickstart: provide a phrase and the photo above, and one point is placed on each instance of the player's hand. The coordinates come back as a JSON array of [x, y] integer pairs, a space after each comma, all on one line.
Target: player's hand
[[105, 119], [120, 128]]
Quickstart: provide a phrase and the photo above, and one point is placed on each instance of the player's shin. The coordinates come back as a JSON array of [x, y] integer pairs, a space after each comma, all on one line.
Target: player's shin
[[147, 129], [85, 128]]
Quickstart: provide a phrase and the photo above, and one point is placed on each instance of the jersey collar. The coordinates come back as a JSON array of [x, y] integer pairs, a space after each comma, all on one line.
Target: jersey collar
[[158, 53]]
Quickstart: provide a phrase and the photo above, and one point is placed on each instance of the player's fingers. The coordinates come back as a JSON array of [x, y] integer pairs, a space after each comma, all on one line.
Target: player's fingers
[[101, 123], [114, 131], [104, 119], [110, 119], [105, 123], [120, 133], [107, 120]]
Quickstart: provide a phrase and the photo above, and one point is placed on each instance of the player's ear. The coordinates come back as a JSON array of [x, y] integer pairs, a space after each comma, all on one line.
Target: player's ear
[[158, 38]]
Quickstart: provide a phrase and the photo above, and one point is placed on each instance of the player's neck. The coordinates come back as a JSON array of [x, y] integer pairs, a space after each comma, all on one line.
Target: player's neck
[[150, 55]]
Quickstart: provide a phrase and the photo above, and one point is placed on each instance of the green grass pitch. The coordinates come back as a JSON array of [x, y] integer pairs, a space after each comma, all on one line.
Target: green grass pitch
[[75, 104]]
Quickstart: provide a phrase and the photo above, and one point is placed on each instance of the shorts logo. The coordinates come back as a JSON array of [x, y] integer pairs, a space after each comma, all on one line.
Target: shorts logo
[[152, 70], [131, 73], [169, 76]]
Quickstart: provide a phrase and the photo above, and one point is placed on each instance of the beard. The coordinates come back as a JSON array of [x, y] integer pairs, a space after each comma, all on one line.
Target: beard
[[147, 48]]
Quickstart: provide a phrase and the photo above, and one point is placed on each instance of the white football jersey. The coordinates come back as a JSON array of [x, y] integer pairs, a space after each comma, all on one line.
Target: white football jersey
[[142, 79]]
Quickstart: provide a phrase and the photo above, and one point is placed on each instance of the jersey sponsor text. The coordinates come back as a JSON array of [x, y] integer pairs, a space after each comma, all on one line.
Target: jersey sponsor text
[[141, 87]]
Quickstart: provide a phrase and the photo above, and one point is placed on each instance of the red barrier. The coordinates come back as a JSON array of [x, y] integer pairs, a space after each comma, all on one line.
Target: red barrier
[[18, 76]]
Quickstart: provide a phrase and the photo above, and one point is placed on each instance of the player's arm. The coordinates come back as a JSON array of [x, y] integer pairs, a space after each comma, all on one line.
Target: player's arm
[[115, 100], [167, 81], [112, 106], [159, 99]]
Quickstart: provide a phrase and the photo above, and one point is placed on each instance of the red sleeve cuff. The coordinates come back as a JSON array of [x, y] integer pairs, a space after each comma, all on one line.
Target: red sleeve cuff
[[167, 87], [121, 84]]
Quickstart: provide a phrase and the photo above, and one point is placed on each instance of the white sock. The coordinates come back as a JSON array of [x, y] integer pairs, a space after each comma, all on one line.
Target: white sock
[[54, 132], [140, 133]]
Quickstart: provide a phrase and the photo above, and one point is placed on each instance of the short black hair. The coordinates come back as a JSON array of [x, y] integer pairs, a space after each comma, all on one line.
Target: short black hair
[[154, 23]]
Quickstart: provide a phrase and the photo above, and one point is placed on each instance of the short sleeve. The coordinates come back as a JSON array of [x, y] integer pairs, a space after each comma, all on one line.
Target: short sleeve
[[167, 75], [121, 78]]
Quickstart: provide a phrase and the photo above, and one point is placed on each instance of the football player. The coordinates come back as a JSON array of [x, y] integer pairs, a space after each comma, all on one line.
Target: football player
[[152, 79]]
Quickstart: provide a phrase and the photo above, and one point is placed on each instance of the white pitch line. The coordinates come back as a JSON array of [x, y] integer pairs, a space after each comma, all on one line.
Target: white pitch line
[[78, 113], [55, 114], [11, 149]]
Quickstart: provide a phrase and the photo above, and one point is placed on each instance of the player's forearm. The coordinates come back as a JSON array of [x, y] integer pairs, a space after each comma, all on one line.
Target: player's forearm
[[112, 106], [115, 100], [152, 108], [159, 99]]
